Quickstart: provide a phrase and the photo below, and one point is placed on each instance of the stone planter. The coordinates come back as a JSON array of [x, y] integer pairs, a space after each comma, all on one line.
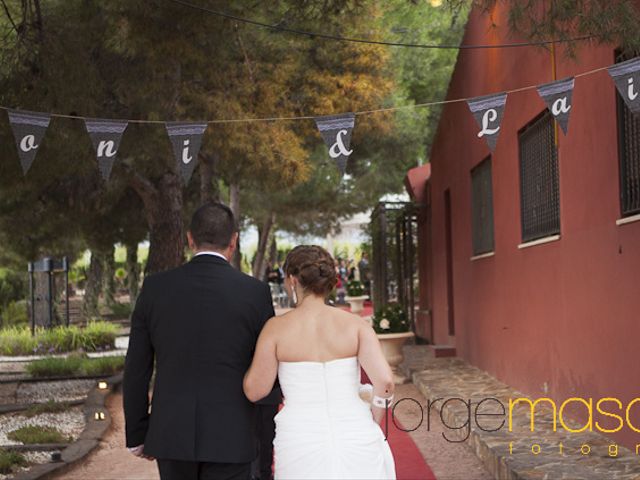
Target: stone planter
[[392, 344], [356, 303]]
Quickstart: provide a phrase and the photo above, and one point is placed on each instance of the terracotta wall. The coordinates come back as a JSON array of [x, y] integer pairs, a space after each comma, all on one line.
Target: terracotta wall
[[559, 319]]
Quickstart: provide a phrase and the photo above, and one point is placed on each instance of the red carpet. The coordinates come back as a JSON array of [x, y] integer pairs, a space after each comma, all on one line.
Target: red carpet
[[409, 462]]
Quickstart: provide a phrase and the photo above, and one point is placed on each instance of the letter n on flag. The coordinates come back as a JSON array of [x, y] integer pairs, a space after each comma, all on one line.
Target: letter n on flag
[[105, 136]]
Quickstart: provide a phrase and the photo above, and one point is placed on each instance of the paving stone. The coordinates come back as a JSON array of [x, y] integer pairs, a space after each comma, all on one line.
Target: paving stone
[[451, 377]]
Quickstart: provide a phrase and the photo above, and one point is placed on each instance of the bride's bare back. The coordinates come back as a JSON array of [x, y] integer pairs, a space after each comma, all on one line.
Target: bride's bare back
[[317, 334]]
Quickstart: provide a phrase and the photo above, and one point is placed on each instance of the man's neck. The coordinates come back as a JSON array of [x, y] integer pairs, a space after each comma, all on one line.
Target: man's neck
[[210, 251]]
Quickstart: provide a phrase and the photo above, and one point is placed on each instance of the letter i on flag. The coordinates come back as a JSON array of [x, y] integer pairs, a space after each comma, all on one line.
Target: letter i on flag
[[557, 96], [488, 111], [626, 76], [336, 133], [105, 136], [186, 139], [28, 129]]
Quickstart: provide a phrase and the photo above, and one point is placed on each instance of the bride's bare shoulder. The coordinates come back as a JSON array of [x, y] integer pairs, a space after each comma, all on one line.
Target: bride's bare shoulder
[[347, 316]]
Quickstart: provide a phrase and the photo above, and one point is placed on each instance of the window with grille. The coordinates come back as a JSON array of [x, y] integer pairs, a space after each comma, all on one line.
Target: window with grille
[[482, 208], [629, 157], [539, 184]]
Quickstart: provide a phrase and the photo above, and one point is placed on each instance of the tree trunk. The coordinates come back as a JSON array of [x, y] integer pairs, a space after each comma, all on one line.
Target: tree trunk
[[273, 250], [95, 276], [110, 276], [208, 186], [264, 233], [234, 205], [163, 208], [133, 271], [166, 229]]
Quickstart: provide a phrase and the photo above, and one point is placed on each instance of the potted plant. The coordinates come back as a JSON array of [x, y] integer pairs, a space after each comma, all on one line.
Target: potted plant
[[355, 296], [391, 324]]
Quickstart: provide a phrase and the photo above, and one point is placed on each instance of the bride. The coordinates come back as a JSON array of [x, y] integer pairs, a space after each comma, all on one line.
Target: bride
[[324, 430]]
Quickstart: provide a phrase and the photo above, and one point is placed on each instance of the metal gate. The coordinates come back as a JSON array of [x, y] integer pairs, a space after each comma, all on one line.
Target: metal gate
[[394, 227]]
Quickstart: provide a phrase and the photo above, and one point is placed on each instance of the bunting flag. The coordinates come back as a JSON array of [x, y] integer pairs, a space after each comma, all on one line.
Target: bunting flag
[[626, 76], [105, 136], [186, 139], [488, 111], [28, 129], [336, 132], [557, 96]]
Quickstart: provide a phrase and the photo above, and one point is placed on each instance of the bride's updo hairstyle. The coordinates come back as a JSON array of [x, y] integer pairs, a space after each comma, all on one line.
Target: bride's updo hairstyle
[[314, 268]]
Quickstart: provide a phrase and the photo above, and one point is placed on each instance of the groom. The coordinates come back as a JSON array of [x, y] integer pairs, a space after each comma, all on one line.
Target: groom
[[200, 323]]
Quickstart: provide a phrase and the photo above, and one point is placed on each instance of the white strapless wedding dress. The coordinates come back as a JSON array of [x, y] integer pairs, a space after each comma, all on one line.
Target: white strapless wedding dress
[[325, 430]]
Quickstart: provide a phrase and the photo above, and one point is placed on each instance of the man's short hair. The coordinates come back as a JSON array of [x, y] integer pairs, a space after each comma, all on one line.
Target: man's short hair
[[213, 224]]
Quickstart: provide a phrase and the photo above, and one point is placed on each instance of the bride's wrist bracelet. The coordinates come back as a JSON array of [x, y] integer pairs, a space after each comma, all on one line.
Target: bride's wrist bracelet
[[381, 402]]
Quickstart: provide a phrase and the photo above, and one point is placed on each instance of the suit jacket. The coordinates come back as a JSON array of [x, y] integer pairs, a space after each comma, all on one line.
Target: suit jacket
[[200, 323]]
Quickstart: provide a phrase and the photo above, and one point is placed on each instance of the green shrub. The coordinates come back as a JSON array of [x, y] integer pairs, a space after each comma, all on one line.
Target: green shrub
[[94, 337], [75, 365], [55, 367], [390, 318], [51, 406], [13, 286], [103, 366], [32, 434], [355, 288], [10, 459], [15, 313], [121, 310]]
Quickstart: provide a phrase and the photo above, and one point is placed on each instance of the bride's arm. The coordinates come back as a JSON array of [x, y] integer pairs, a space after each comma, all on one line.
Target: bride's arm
[[375, 365], [259, 379]]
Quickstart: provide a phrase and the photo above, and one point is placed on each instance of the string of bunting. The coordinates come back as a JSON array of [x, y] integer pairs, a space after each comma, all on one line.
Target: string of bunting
[[340, 38], [186, 137]]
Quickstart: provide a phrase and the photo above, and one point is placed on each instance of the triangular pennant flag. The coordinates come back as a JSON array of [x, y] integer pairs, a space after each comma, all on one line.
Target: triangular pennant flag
[[105, 136], [488, 111], [557, 96], [28, 129], [626, 76], [186, 139], [336, 132]]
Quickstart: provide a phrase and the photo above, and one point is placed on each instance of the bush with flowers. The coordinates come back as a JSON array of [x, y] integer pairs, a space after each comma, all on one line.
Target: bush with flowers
[[390, 318]]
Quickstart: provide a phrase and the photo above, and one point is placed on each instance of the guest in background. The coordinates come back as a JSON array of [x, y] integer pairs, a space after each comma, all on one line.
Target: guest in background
[[365, 272]]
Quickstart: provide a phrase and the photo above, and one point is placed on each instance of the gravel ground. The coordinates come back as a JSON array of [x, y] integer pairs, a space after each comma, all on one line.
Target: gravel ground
[[33, 458], [70, 422], [61, 391]]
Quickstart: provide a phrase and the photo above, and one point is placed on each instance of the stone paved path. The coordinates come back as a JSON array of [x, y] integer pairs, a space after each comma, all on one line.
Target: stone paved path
[[449, 462], [111, 461]]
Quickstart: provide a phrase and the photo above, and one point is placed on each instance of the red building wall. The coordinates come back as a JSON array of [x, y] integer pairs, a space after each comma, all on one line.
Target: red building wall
[[559, 319]]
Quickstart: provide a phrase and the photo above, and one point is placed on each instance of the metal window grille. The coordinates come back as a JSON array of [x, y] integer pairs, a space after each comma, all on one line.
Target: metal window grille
[[629, 157], [482, 208], [539, 184]]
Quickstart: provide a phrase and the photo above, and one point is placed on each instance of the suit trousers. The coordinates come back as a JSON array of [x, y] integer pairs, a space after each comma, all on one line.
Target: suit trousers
[[184, 470], [266, 431]]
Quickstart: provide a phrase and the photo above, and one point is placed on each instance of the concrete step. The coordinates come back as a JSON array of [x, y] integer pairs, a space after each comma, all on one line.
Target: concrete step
[[510, 455], [441, 351]]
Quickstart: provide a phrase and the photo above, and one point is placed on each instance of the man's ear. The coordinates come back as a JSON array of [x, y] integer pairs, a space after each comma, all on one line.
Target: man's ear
[[190, 241]]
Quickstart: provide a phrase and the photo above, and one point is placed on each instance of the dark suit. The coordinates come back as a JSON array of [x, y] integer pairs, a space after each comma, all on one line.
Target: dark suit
[[200, 323]]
